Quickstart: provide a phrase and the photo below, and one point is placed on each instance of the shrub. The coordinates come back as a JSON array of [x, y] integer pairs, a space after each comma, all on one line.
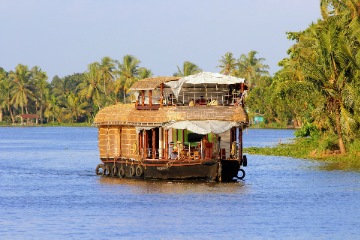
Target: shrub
[[307, 130]]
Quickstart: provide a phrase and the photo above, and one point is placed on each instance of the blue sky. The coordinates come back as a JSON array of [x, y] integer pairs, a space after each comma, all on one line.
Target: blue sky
[[64, 36]]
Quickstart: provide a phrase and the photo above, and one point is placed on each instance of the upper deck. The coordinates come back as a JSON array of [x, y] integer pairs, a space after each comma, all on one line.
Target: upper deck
[[163, 100], [200, 89]]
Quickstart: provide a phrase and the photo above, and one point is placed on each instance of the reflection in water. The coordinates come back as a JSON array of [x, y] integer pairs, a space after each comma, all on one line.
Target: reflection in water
[[175, 187]]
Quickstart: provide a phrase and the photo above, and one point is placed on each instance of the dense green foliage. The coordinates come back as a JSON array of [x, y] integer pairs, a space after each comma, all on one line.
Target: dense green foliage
[[71, 99], [318, 87]]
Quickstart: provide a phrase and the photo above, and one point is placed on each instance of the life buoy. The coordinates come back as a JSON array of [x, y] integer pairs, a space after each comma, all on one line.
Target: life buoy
[[114, 171], [132, 170], [243, 174], [244, 161], [97, 169], [121, 172], [139, 171], [106, 171]]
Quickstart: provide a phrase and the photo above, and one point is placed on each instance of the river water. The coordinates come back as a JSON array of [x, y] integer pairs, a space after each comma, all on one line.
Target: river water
[[49, 190]]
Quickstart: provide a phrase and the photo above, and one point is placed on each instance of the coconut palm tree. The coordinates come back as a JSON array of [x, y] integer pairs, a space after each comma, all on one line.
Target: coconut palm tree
[[21, 87], [52, 109], [40, 89], [188, 68], [74, 108], [144, 73], [5, 94], [330, 67], [227, 64], [92, 86], [127, 74], [251, 68], [106, 68], [348, 8]]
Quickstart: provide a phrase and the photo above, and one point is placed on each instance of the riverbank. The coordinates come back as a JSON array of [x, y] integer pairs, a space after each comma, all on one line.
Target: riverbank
[[307, 148], [6, 124]]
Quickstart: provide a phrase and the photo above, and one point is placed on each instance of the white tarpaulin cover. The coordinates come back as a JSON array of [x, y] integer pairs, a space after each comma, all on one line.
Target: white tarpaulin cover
[[203, 127], [203, 78]]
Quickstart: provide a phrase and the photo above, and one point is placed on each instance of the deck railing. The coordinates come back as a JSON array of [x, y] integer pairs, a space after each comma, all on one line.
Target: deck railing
[[189, 153]]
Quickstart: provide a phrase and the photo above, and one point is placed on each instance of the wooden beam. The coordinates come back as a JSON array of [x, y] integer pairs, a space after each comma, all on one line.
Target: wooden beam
[[161, 143], [161, 94], [153, 140], [232, 136], [145, 140], [142, 98], [150, 98], [139, 144], [166, 144], [120, 138], [240, 144], [147, 107]]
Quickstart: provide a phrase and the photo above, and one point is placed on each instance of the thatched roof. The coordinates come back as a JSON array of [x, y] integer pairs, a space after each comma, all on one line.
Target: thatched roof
[[151, 83], [126, 114]]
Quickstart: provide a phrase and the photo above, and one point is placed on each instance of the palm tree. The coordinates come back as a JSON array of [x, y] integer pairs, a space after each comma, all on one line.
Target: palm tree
[[251, 68], [91, 88], [52, 109], [107, 66], [330, 7], [21, 87], [144, 73], [3, 91], [127, 74], [40, 88], [228, 64], [74, 108], [348, 8], [331, 67], [5, 94], [58, 86], [188, 68]]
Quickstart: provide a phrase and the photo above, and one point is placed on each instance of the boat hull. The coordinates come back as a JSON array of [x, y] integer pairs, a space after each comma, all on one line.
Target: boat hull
[[223, 170]]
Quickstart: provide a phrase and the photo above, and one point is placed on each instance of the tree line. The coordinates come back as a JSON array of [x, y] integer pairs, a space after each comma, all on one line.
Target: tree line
[[78, 97], [318, 86]]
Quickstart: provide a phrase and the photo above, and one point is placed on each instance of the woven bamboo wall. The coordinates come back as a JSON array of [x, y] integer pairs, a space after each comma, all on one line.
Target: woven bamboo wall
[[109, 142], [129, 142]]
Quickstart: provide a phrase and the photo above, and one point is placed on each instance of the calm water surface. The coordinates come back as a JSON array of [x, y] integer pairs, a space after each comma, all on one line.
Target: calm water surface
[[48, 190]]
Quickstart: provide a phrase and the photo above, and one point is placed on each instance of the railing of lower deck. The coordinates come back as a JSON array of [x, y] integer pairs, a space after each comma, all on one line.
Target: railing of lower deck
[[189, 153]]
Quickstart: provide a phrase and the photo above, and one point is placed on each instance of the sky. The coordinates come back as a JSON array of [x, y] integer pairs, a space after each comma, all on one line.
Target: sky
[[63, 37]]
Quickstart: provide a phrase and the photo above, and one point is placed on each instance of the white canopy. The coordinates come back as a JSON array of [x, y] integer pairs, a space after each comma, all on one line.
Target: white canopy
[[203, 127], [203, 78]]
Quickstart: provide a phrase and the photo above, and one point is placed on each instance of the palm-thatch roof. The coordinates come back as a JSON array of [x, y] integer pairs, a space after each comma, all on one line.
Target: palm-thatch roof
[[151, 83], [127, 114]]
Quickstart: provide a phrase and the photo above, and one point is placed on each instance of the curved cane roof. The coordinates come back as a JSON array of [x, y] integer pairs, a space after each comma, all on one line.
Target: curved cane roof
[[126, 114]]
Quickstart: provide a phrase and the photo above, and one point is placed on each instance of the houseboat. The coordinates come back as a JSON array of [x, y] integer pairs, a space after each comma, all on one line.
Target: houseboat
[[176, 129]]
